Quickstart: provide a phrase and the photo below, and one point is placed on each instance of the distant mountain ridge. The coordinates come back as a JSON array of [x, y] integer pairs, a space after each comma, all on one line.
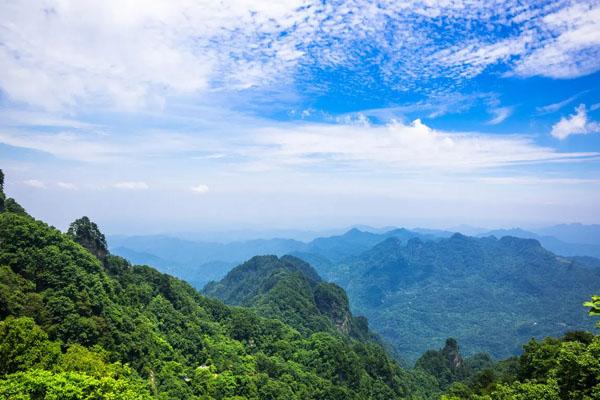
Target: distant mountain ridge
[[78, 322], [570, 248], [573, 233], [419, 292], [200, 262]]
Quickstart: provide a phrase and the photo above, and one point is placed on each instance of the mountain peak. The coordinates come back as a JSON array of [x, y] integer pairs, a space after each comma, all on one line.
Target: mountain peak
[[521, 243], [354, 232]]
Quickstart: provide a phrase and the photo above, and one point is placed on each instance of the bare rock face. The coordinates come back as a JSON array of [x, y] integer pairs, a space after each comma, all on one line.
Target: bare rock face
[[331, 300], [452, 354]]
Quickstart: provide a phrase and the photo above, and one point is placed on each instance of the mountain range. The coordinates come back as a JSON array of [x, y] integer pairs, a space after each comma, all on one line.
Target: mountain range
[[77, 322], [418, 292], [200, 261]]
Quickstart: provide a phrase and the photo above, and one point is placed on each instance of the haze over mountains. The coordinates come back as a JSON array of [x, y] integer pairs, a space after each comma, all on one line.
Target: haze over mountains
[[199, 261], [418, 287], [417, 293], [78, 322]]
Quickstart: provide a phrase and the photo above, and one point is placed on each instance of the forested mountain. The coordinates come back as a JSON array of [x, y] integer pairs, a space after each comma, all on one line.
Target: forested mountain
[[552, 369], [196, 262], [80, 323], [289, 289], [416, 294], [200, 262], [573, 233], [551, 243]]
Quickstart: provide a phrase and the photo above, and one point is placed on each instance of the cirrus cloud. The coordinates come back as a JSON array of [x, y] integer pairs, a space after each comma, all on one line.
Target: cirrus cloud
[[399, 147], [68, 54]]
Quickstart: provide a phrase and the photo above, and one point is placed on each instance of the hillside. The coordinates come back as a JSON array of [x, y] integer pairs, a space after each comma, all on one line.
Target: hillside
[[196, 262], [289, 289], [78, 322], [419, 293]]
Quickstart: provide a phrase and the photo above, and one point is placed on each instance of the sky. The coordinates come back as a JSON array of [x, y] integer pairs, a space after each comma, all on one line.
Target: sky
[[182, 115]]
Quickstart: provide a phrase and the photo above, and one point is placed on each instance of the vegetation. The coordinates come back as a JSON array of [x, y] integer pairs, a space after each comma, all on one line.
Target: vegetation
[[200, 262], [419, 293], [78, 327], [550, 369], [290, 290], [79, 323]]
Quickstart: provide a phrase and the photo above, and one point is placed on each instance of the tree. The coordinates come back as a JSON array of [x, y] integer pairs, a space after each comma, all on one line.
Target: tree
[[594, 307], [11, 205], [24, 345], [87, 234], [2, 196], [40, 384]]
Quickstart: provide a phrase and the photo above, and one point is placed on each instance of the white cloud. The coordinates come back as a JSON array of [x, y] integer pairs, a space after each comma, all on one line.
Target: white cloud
[[471, 59], [35, 183], [571, 47], [500, 114], [67, 185], [263, 145], [68, 54], [61, 54], [200, 188], [575, 124], [397, 147], [131, 185], [550, 108], [559, 42], [67, 145]]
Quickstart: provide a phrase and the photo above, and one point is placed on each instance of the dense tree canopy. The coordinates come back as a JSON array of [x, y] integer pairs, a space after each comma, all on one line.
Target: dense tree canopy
[[81, 325], [416, 293], [77, 327], [87, 234]]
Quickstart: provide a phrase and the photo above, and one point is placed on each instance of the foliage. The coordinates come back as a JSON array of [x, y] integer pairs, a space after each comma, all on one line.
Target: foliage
[[87, 234], [594, 306], [76, 327], [552, 369], [290, 290], [418, 293]]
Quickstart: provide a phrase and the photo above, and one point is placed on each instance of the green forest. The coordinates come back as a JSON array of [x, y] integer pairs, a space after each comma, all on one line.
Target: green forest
[[418, 292], [77, 322]]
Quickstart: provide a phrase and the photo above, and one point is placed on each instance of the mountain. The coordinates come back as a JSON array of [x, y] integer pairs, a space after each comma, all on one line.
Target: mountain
[[354, 242], [549, 242], [188, 252], [289, 289], [573, 233], [194, 274], [77, 322], [196, 262], [200, 262], [417, 294], [440, 233]]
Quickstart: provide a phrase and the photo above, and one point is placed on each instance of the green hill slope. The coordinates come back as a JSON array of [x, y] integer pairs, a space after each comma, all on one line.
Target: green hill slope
[[418, 294], [289, 289], [78, 326]]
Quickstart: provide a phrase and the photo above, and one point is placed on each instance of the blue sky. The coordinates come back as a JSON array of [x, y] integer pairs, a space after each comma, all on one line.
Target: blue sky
[[193, 115]]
